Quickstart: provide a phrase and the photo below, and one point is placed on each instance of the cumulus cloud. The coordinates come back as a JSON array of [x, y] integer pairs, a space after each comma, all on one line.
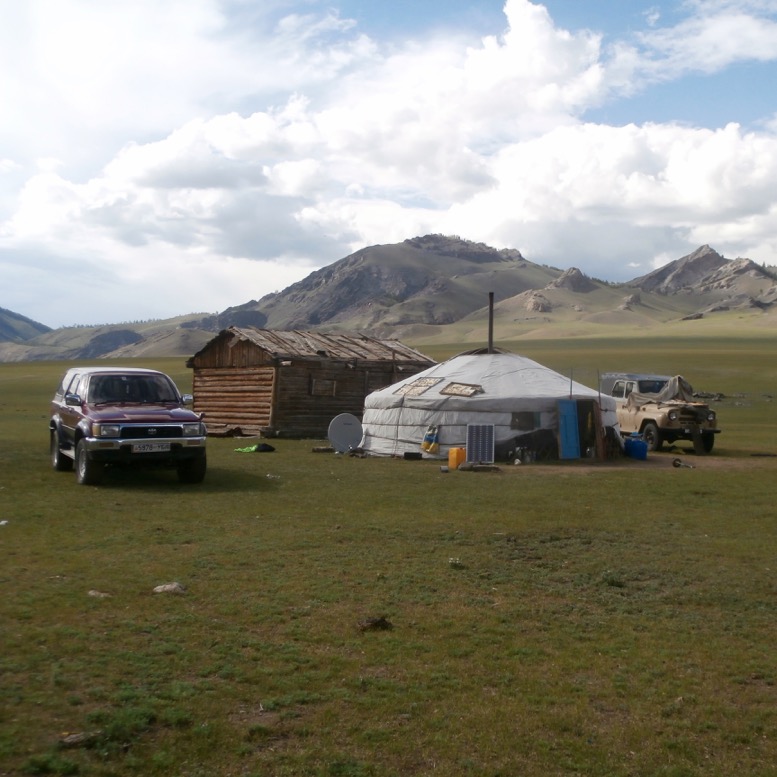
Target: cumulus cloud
[[236, 149]]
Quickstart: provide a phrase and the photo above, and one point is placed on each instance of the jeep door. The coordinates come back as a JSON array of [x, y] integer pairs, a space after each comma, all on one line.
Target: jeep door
[[626, 417]]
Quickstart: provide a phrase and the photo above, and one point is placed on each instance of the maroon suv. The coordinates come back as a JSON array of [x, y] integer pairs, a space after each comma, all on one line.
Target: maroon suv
[[117, 416]]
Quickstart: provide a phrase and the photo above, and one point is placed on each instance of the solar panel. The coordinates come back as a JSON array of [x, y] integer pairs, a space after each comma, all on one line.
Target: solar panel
[[480, 443]]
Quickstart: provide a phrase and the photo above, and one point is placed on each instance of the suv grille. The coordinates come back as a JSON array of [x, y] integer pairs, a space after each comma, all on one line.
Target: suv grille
[[144, 431]]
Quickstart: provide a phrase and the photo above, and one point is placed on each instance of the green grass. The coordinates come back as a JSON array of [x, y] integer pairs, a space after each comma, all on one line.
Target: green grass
[[560, 620]]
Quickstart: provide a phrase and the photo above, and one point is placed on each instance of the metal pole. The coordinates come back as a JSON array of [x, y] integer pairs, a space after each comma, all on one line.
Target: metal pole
[[490, 321]]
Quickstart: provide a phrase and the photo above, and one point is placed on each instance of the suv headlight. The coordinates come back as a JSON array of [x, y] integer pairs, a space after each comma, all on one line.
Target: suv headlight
[[192, 430], [711, 416], [106, 430], [674, 415]]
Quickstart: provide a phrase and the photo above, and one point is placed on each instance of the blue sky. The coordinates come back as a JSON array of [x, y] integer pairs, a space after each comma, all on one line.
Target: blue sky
[[227, 148]]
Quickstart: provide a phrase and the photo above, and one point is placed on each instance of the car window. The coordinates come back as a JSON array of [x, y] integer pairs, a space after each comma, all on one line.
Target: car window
[[156, 388], [62, 388], [618, 389], [104, 388], [131, 388], [651, 386], [630, 386], [77, 385]]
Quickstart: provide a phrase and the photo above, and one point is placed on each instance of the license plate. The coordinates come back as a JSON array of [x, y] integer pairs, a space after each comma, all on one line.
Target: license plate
[[150, 447]]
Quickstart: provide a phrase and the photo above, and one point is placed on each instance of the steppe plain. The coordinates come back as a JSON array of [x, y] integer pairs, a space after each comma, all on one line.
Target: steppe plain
[[347, 616]]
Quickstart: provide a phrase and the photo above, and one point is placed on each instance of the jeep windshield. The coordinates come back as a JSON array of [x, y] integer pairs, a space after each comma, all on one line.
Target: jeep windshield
[[130, 389], [651, 386]]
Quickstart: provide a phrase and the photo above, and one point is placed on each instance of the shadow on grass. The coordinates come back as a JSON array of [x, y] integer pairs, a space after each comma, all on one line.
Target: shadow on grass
[[217, 480]]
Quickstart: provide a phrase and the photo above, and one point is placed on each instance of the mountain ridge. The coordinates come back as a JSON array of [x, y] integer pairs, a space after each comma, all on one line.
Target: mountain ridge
[[428, 289]]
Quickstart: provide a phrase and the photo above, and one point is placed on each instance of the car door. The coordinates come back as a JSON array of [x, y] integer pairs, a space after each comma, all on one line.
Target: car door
[[70, 415]]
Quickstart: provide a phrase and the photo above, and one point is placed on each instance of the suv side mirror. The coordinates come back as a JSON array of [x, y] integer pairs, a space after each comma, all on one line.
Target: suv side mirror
[[73, 400], [187, 399]]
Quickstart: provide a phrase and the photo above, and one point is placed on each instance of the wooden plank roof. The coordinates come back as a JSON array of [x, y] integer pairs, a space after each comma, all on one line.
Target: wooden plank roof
[[333, 345]]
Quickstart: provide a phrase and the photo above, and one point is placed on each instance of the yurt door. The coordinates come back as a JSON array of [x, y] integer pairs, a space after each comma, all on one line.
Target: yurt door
[[568, 432]]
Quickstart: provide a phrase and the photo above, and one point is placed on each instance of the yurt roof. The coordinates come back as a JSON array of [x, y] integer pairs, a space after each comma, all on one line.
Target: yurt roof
[[481, 376]]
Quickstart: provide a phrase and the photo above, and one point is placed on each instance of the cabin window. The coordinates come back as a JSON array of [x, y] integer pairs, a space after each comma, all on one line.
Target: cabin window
[[462, 389], [323, 388], [417, 387]]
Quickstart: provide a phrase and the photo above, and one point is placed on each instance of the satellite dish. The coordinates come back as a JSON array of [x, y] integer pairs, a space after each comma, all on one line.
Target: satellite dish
[[345, 432]]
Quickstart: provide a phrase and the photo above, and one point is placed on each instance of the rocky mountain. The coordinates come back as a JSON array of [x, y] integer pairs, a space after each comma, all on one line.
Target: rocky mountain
[[706, 273], [432, 280], [435, 289], [684, 273]]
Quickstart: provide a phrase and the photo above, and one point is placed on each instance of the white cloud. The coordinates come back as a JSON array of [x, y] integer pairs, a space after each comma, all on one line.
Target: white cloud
[[236, 157]]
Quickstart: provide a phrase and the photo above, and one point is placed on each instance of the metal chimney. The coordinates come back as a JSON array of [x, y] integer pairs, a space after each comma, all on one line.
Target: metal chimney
[[490, 321]]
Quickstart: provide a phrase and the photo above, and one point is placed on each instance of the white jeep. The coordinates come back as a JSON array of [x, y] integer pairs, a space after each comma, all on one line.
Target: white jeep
[[662, 409]]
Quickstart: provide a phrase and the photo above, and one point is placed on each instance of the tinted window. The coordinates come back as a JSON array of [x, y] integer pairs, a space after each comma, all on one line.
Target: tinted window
[[131, 388]]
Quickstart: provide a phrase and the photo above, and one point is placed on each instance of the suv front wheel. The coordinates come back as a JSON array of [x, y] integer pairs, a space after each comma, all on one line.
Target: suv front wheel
[[88, 472]]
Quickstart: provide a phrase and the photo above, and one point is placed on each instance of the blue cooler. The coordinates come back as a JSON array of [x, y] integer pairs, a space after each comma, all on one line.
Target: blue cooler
[[636, 447]]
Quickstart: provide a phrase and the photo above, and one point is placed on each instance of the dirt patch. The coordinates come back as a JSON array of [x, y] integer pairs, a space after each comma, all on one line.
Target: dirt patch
[[654, 461]]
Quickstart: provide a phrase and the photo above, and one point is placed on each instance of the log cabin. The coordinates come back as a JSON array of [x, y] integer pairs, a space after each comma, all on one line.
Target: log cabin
[[250, 381]]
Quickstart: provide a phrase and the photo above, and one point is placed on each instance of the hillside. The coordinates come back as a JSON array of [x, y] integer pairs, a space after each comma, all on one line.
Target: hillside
[[426, 280], [434, 289], [16, 328], [158, 338]]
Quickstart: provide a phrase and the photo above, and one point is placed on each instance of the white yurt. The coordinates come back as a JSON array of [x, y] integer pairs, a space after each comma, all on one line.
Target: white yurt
[[514, 404]]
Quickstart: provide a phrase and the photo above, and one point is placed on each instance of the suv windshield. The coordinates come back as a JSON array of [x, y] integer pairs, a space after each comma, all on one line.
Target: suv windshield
[[109, 389]]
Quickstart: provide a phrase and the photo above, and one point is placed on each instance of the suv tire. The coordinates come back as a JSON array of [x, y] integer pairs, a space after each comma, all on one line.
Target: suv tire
[[59, 462], [193, 470], [88, 472]]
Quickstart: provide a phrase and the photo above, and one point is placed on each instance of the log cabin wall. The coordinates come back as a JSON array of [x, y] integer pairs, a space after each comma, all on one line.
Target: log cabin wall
[[234, 399], [291, 384], [309, 395]]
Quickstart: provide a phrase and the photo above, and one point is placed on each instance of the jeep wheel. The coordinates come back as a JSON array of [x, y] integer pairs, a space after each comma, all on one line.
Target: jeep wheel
[[707, 441], [60, 462], [193, 470], [651, 436], [88, 472]]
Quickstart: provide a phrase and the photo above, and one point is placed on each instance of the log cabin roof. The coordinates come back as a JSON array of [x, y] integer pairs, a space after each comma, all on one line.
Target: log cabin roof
[[333, 345]]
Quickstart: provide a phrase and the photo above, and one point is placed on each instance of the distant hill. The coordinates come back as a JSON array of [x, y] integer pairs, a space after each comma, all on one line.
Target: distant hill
[[156, 338], [16, 328], [434, 289]]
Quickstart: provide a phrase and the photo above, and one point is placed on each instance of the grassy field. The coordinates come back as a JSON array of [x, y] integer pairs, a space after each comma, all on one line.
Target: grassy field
[[573, 619]]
